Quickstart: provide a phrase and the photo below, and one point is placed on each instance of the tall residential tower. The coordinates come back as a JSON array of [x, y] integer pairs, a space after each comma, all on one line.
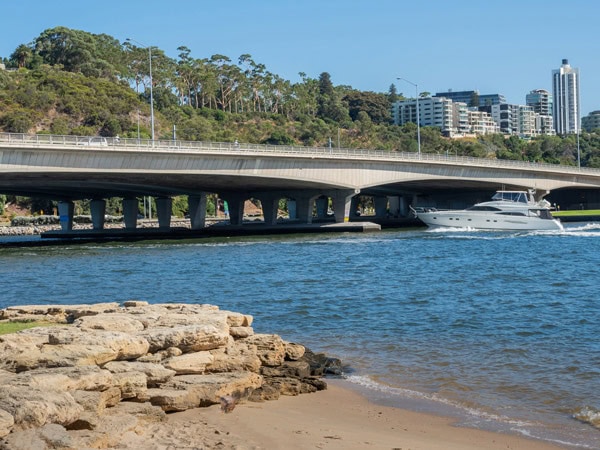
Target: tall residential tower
[[565, 108]]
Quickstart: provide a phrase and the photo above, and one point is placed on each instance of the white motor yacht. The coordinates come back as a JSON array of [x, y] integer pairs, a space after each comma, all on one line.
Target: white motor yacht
[[507, 210]]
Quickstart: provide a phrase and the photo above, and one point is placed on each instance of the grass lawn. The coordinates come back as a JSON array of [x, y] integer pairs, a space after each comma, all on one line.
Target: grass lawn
[[13, 327], [577, 212]]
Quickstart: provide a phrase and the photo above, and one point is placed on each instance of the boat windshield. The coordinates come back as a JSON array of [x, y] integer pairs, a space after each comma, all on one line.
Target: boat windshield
[[519, 197], [483, 208]]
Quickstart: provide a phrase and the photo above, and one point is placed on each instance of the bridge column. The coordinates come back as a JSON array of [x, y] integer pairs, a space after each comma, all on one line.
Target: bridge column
[[380, 206], [402, 206], [197, 209], [235, 202], [164, 207], [304, 207], [65, 215], [394, 202], [270, 205], [98, 209], [130, 212], [354, 213], [321, 204], [341, 204]]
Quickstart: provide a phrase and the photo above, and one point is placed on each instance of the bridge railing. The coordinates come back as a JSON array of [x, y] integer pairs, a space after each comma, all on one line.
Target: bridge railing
[[234, 148]]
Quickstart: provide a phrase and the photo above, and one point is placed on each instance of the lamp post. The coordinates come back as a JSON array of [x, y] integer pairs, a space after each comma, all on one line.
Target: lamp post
[[418, 119], [151, 93]]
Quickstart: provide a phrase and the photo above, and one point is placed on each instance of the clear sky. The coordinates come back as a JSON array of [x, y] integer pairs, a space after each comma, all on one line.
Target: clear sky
[[508, 47]]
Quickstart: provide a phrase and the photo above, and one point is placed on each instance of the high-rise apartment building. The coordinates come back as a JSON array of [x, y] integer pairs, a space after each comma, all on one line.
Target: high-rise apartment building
[[565, 90], [541, 101]]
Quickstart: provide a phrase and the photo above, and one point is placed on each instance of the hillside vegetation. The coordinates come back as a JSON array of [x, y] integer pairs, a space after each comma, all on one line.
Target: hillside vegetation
[[73, 82]]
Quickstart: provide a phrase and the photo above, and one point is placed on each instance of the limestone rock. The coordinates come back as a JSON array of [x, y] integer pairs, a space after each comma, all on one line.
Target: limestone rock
[[97, 401], [158, 357], [110, 322], [6, 423], [239, 355], [239, 320], [34, 408], [156, 374], [270, 348], [87, 378], [51, 436], [189, 363], [133, 385], [124, 345], [241, 332], [134, 303], [188, 338], [190, 391], [294, 351], [289, 369]]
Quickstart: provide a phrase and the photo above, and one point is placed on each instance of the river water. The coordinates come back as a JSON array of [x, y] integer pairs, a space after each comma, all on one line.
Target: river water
[[500, 330]]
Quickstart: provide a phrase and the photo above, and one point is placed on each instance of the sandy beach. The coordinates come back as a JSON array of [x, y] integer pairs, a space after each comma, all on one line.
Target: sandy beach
[[337, 418]]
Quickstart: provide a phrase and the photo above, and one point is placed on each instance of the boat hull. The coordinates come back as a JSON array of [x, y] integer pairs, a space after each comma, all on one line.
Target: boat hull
[[466, 219]]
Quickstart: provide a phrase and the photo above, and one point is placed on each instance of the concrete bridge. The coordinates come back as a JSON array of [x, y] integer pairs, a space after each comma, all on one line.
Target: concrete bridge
[[67, 168]]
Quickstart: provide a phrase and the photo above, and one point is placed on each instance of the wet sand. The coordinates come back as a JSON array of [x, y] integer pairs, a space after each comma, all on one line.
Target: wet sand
[[337, 418]]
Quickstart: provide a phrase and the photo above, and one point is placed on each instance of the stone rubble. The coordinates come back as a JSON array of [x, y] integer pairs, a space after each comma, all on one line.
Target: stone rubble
[[103, 370]]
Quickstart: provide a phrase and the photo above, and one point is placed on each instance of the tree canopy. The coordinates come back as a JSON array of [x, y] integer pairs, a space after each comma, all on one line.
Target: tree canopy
[[74, 82]]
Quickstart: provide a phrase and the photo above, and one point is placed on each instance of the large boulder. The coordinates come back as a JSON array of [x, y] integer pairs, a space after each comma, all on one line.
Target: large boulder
[[270, 348], [189, 363], [50, 436], [156, 374], [191, 391], [110, 322], [188, 338], [86, 378], [35, 408]]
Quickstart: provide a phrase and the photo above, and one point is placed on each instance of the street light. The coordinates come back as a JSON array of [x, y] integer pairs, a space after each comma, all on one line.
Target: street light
[[151, 93], [418, 120]]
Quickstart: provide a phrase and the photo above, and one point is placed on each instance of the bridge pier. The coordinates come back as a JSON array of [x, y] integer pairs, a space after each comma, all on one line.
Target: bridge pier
[[322, 204], [164, 207], [304, 207], [197, 210], [130, 212], [235, 202], [98, 210], [270, 204], [342, 199], [65, 214], [394, 205], [381, 204]]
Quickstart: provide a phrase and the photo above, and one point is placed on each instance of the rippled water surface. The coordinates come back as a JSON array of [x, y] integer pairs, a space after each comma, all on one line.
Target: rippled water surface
[[501, 329]]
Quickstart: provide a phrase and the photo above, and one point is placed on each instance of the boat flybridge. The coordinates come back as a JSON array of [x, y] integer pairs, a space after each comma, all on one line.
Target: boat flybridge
[[507, 210]]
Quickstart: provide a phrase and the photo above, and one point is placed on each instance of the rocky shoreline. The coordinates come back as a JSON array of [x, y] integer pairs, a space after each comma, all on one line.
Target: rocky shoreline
[[102, 371]]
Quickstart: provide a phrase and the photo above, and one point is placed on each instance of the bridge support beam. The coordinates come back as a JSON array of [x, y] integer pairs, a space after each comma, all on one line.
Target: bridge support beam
[[98, 209], [197, 210], [164, 207], [322, 204], [342, 200], [394, 205], [381, 204], [270, 205], [65, 215], [304, 206], [130, 212], [235, 202]]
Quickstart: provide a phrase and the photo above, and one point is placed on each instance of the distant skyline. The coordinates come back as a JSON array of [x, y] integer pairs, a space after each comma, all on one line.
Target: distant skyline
[[508, 47]]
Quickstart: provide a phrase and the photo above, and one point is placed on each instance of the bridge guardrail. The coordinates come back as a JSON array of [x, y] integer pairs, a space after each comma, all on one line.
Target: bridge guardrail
[[124, 144]]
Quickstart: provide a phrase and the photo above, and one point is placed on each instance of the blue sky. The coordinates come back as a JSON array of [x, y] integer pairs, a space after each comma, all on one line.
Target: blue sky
[[508, 47]]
